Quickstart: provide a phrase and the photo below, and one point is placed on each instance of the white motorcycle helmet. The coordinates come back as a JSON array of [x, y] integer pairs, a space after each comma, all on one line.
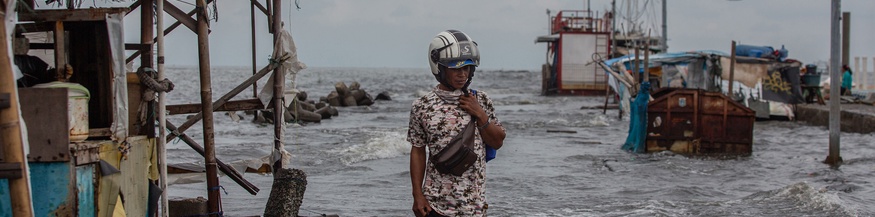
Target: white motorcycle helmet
[[452, 49]]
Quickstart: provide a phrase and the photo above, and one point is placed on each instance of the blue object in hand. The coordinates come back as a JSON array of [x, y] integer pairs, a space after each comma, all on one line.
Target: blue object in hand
[[490, 153]]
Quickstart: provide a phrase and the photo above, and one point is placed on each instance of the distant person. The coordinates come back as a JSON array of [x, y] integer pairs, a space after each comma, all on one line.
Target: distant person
[[847, 80], [439, 116]]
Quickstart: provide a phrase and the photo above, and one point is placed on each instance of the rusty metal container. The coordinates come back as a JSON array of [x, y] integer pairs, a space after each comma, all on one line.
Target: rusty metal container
[[696, 122]]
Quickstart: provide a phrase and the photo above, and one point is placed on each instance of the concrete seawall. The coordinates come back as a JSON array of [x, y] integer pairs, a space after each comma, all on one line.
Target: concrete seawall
[[855, 118]]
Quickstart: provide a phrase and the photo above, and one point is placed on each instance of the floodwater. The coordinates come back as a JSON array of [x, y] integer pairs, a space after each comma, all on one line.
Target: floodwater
[[357, 162]]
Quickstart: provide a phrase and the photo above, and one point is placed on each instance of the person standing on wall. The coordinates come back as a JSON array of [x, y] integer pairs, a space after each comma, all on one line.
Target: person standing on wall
[[440, 115], [847, 80]]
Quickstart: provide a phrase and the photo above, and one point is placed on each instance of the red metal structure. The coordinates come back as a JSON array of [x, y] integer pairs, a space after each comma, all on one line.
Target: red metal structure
[[576, 36]]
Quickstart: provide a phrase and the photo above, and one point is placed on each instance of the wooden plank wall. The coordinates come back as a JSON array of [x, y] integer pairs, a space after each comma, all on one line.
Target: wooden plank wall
[[133, 181]]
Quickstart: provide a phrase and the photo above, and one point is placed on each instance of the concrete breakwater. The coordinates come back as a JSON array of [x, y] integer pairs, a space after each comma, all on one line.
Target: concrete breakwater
[[855, 118]]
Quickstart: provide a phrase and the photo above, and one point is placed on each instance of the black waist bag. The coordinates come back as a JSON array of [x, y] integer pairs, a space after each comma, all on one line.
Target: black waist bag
[[459, 154]]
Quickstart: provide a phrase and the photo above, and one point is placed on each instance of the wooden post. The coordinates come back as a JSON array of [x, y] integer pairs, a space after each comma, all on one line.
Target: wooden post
[[636, 68], [278, 89], [203, 45], [731, 69], [60, 52], [10, 131], [162, 108]]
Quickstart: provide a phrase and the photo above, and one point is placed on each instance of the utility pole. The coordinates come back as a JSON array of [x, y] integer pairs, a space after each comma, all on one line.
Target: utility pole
[[834, 158]]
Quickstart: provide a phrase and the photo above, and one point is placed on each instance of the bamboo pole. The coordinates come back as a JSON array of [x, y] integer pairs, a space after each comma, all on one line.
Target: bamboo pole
[[146, 34], [203, 46], [10, 131], [278, 89], [228, 170], [162, 110]]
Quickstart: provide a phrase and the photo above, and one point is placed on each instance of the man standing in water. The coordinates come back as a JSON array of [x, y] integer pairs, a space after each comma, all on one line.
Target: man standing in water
[[442, 114]]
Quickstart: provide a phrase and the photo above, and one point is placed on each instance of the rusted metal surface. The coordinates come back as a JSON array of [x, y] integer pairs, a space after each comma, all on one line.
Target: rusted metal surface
[[85, 152], [238, 105], [47, 116], [696, 122], [91, 14]]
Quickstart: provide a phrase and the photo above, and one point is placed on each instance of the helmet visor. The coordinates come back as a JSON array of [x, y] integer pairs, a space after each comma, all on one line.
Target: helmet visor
[[460, 63]]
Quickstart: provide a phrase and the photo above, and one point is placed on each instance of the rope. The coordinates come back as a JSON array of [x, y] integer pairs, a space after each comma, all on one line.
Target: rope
[[219, 187], [313, 212], [147, 75]]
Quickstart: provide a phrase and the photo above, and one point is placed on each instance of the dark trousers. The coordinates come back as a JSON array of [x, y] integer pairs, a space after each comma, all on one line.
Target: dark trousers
[[845, 90]]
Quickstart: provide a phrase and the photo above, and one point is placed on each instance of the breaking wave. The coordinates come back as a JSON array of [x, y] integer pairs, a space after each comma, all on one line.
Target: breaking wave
[[383, 145]]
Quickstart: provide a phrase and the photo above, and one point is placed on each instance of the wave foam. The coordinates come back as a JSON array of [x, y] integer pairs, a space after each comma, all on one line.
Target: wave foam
[[383, 145]]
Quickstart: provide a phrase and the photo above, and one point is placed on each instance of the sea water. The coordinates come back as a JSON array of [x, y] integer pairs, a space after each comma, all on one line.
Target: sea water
[[558, 159]]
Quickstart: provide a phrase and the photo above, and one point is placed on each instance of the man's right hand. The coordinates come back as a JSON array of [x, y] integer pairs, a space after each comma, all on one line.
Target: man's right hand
[[420, 206]]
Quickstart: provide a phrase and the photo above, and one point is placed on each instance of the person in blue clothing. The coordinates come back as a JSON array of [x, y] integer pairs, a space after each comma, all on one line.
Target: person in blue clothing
[[847, 80]]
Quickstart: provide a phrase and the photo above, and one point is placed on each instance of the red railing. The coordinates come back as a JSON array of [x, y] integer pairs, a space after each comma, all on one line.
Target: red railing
[[580, 21]]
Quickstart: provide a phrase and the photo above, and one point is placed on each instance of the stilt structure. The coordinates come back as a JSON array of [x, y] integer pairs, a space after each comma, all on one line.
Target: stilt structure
[[87, 49]]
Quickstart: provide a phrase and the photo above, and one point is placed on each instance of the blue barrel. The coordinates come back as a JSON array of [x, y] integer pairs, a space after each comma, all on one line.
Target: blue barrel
[[753, 51]]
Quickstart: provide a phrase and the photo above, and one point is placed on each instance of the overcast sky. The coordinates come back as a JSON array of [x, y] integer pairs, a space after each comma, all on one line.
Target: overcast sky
[[396, 33]]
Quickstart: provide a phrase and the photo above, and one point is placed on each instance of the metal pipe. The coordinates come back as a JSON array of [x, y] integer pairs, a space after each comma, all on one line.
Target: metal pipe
[[835, 76], [162, 110], [278, 89], [203, 48]]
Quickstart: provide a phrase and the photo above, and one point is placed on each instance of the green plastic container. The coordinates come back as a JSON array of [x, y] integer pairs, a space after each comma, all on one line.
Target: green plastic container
[[811, 80]]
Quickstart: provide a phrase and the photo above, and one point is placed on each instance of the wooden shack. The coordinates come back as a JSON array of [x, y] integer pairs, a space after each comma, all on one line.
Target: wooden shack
[[697, 122]]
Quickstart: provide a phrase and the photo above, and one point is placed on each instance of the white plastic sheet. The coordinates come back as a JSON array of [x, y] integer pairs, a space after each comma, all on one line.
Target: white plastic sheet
[[115, 27], [285, 46]]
